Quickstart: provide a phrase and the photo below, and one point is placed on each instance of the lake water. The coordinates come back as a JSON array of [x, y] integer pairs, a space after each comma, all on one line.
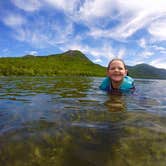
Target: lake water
[[68, 121]]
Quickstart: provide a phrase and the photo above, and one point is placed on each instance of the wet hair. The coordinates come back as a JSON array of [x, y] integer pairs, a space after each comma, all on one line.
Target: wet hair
[[117, 59]]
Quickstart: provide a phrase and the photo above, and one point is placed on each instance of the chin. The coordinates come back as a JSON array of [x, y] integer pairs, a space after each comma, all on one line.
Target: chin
[[117, 80]]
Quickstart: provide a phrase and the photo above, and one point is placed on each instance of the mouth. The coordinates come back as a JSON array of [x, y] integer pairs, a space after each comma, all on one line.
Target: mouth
[[117, 75]]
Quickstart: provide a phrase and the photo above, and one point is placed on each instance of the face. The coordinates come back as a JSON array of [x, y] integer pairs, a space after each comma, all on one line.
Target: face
[[116, 71]]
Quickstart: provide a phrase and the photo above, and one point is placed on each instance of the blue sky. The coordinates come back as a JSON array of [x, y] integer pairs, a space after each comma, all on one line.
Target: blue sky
[[133, 30]]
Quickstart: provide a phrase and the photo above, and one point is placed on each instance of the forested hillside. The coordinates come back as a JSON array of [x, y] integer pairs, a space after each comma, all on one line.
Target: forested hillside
[[68, 63]]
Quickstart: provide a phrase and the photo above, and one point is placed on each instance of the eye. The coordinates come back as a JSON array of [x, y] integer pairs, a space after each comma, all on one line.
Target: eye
[[112, 68]]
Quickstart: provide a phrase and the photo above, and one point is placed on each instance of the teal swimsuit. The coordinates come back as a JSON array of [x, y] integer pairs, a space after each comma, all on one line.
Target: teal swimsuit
[[126, 85]]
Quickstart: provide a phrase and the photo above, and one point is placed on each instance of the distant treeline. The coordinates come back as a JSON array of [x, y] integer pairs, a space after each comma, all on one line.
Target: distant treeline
[[68, 63]]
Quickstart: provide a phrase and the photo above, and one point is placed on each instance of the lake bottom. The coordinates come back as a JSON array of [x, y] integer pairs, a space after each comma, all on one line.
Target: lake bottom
[[125, 139]]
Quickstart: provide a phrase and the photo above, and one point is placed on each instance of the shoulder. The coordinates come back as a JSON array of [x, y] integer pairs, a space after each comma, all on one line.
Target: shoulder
[[128, 83], [128, 79], [105, 84]]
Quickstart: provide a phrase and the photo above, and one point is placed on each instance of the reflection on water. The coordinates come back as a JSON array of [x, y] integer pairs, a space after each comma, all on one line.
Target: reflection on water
[[69, 121], [116, 103]]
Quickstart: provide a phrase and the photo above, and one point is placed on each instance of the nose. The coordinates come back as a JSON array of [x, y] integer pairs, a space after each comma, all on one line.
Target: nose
[[116, 69]]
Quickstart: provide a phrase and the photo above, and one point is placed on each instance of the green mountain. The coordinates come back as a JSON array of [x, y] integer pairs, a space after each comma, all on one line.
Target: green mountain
[[146, 71], [72, 62]]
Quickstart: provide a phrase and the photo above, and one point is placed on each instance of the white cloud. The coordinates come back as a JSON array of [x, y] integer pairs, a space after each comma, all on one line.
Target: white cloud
[[121, 53], [128, 27], [97, 60], [147, 54], [29, 5], [160, 63], [13, 20], [158, 29], [131, 15], [37, 38], [34, 38], [40, 34], [142, 43], [159, 48], [100, 33], [96, 14], [96, 9], [33, 53], [65, 5], [135, 5]]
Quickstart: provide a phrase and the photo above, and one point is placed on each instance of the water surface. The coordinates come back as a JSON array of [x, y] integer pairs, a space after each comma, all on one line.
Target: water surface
[[68, 121]]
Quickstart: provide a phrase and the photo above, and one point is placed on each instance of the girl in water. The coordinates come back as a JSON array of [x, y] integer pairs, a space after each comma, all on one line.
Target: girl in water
[[117, 79]]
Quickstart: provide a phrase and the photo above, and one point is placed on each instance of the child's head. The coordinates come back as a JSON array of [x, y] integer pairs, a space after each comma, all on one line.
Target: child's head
[[116, 70], [116, 59]]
